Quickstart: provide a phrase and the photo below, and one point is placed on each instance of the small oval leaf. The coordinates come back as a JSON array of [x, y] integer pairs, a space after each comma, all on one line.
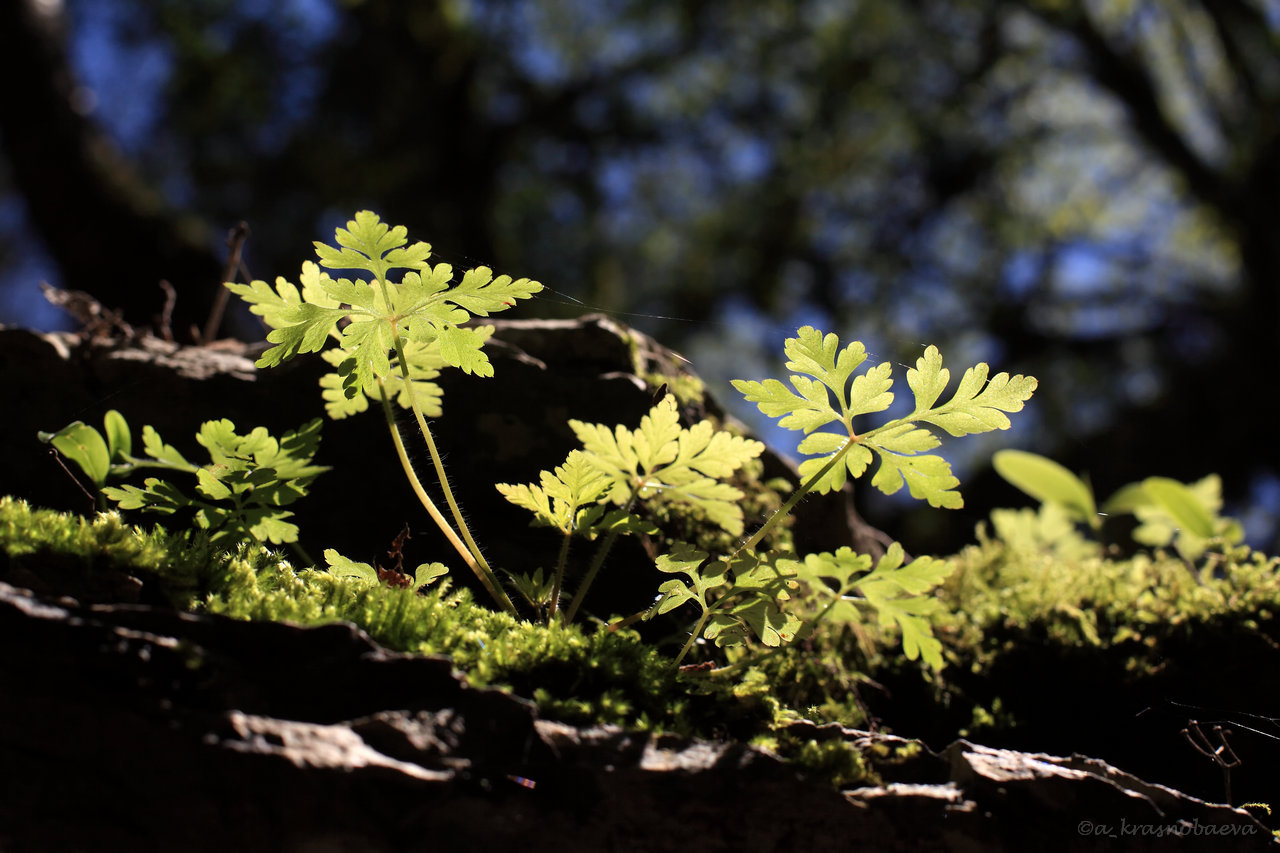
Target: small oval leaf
[[85, 446], [1186, 510], [119, 441], [1046, 480], [1127, 499]]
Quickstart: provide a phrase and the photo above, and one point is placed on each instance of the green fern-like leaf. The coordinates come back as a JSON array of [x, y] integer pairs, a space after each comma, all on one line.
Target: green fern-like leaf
[[374, 319], [427, 574], [563, 499], [762, 584], [979, 404], [898, 593], [370, 244], [825, 391], [740, 598], [344, 396], [342, 567], [687, 560], [242, 490], [663, 459]]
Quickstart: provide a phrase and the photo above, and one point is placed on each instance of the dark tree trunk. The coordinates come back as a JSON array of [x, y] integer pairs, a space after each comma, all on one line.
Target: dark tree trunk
[[109, 234]]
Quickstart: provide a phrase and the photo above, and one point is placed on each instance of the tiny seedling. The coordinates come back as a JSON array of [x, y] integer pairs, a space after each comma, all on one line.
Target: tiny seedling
[[395, 576], [661, 462]]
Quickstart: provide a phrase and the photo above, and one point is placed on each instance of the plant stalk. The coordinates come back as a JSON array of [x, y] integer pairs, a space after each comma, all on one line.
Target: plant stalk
[[561, 562], [759, 535], [597, 561], [592, 571], [480, 561], [486, 578], [694, 635], [785, 509]]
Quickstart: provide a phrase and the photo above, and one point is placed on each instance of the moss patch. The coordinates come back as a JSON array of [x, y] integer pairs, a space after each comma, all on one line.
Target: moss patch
[[1045, 651]]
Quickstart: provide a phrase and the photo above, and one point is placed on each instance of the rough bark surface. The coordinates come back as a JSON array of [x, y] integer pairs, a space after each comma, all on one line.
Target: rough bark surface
[[138, 728]]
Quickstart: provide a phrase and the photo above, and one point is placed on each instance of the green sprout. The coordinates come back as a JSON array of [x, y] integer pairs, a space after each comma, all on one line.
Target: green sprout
[[1184, 515]]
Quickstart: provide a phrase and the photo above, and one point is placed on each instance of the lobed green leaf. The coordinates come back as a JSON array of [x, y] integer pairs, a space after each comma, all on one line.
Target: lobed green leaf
[[427, 574], [370, 244], [927, 477], [275, 307], [806, 410], [663, 460], [563, 495], [342, 567], [977, 406], [307, 329]]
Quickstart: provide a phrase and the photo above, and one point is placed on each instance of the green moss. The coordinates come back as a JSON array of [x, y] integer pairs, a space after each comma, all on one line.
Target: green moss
[[1092, 601], [1015, 622], [580, 675], [1061, 654], [575, 674], [836, 761], [91, 557]]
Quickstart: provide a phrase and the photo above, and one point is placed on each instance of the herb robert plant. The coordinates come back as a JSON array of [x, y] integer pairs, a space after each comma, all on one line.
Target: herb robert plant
[[390, 339], [393, 336], [766, 596]]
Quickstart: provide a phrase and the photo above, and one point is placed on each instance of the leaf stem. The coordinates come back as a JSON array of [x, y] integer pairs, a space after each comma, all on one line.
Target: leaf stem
[[598, 560], [561, 562], [491, 580], [758, 536], [799, 495], [694, 634], [487, 579], [592, 571]]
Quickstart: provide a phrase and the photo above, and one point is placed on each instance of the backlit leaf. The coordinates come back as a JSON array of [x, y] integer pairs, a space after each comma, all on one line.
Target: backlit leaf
[[1047, 481], [662, 460]]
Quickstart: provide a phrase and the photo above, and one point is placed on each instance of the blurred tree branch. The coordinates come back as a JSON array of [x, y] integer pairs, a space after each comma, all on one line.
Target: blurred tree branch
[[111, 234]]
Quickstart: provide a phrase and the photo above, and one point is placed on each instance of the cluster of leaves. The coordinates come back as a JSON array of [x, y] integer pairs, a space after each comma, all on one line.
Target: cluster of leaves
[[392, 336], [661, 462], [1184, 516], [825, 390], [391, 339], [749, 595], [240, 493]]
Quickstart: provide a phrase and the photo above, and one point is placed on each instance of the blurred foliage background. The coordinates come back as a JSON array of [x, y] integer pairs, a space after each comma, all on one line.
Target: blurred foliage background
[[1085, 191]]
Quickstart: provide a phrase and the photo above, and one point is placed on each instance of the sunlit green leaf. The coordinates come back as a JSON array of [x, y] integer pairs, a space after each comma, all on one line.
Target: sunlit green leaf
[[342, 567], [664, 461], [1046, 480], [85, 446], [119, 440]]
